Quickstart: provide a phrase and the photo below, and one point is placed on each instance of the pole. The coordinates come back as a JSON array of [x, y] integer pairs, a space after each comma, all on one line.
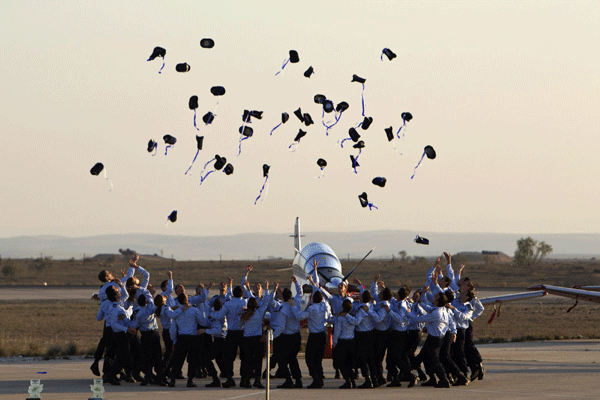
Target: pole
[[269, 341]]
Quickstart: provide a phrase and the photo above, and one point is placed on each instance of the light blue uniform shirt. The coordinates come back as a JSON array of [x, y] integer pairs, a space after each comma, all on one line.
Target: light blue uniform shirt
[[232, 309], [344, 326], [253, 326]]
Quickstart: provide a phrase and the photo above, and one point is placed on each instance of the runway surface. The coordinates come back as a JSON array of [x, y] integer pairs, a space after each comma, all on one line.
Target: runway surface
[[531, 370]]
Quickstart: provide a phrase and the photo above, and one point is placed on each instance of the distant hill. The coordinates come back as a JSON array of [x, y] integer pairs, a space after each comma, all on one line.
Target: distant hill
[[266, 246]]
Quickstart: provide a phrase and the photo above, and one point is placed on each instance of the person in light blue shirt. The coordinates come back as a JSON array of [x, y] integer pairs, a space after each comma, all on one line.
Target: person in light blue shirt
[[217, 332], [343, 341]]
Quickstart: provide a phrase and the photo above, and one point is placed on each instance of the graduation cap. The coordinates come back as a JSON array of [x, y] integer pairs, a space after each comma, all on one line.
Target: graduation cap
[[217, 90], [328, 106], [220, 162], [355, 163], [256, 114], [265, 169], [199, 141], [152, 146], [172, 217], [307, 119], [341, 107], [389, 132], [321, 162], [193, 104], [183, 67], [421, 240], [356, 78], [246, 131], [158, 52], [207, 43], [309, 72], [293, 59], [228, 169], [169, 141], [320, 99], [427, 151], [299, 136], [284, 118], [364, 201], [208, 118], [353, 135], [359, 145], [298, 113], [406, 117], [379, 181], [97, 169], [388, 53], [367, 121]]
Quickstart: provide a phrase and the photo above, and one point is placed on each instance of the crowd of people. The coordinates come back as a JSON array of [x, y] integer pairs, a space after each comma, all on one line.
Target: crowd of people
[[375, 333]]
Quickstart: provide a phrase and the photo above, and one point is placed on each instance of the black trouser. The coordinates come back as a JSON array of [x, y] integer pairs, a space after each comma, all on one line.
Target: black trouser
[[233, 341], [109, 356], [365, 353], [120, 341], [399, 352], [458, 351], [313, 355], [290, 346], [151, 354], [414, 337], [344, 357], [254, 350], [212, 351], [431, 357], [103, 343], [276, 355], [381, 341], [446, 358], [135, 349], [166, 361], [471, 352], [217, 349], [185, 345]]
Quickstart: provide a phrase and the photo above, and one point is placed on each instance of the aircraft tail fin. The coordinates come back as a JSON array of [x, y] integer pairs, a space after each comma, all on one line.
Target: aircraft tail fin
[[297, 236]]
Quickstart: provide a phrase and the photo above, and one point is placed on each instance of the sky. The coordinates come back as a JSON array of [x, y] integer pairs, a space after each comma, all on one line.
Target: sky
[[506, 92]]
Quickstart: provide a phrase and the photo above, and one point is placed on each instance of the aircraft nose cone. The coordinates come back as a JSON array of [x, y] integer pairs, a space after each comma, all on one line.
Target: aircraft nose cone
[[336, 281]]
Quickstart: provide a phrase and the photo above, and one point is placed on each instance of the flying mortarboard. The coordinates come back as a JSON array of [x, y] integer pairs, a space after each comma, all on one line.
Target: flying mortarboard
[[207, 43], [421, 240], [379, 181], [183, 67], [309, 72]]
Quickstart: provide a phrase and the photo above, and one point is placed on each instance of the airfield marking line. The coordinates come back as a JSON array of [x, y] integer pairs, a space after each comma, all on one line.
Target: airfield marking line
[[247, 395], [578, 396]]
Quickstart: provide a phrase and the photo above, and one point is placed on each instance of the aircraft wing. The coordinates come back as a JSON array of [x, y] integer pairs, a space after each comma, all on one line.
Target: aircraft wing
[[512, 297], [577, 294]]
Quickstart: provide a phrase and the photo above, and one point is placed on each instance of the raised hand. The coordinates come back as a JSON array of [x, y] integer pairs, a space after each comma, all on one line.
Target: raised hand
[[170, 274], [376, 278]]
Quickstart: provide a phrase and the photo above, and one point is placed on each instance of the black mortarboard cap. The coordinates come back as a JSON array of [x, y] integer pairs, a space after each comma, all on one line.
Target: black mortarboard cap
[[406, 116], [354, 135], [208, 118], [248, 131], [228, 169], [220, 163], [294, 56], [328, 106], [390, 54], [300, 135], [152, 145], [199, 141], [157, 52], [379, 181], [207, 43], [359, 145], [193, 102], [366, 123], [266, 170], [169, 139], [284, 117], [354, 161], [246, 116], [343, 106], [256, 114], [173, 216], [183, 67], [389, 133], [320, 99], [356, 78], [309, 72], [421, 240], [217, 90], [321, 163], [307, 119], [96, 169], [363, 199], [298, 113], [430, 152]]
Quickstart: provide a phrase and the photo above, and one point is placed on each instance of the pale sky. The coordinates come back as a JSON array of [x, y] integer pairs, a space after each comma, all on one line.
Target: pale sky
[[507, 92]]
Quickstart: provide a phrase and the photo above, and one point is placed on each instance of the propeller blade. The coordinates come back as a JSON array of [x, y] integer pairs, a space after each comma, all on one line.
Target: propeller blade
[[363, 259]]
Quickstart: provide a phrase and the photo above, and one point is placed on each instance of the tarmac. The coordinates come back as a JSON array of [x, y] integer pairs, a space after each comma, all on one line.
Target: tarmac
[[524, 370]]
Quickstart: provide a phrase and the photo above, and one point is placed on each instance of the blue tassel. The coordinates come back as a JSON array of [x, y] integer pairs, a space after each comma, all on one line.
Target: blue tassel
[[261, 189], [188, 170], [415, 171]]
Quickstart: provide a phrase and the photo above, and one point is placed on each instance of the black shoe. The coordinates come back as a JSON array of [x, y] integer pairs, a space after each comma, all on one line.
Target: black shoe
[[431, 382], [229, 383], [214, 383], [394, 383], [129, 379], [258, 385], [412, 381], [298, 384], [191, 383], [95, 369], [144, 383], [481, 372], [162, 382], [366, 385], [316, 384], [288, 384], [172, 383], [461, 381], [381, 381], [422, 376], [346, 385], [443, 384], [245, 384], [353, 383], [475, 373]]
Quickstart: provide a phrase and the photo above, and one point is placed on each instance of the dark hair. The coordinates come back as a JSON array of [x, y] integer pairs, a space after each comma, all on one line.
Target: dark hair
[[238, 292], [446, 279], [317, 297], [470, 286], [217, 304], [366, 296], [163, 285], [111, 293], [159, 301], [182, 298], [287, 294], [179, 285], [386, 294], [347, 305], [403, 293], [102, 275], [132, 281], [142, 300], [251, 307], [131, 292], [449, 295], [470, 295], [442, 300], [407, 290]]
